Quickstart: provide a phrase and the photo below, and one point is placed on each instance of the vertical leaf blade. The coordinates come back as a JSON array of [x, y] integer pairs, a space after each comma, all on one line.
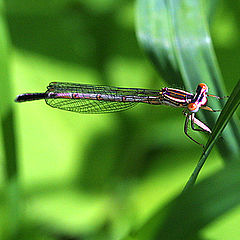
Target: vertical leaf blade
[[8, 136]]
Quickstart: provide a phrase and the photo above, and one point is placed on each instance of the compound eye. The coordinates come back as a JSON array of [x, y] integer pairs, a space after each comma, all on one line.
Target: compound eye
[[203, 86], [193, 107]]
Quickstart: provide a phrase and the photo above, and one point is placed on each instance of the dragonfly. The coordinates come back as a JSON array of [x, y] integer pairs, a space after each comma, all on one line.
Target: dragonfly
[[85, 98]]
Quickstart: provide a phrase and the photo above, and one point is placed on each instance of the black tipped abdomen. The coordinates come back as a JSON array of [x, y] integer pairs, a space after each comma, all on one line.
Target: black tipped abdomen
[[30, 97]]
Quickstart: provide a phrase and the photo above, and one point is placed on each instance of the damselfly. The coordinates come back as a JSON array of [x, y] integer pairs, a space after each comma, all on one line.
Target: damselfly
[[84, 98]]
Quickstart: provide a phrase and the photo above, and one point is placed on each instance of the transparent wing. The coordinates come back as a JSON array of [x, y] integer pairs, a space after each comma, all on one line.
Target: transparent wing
[[91, 105]]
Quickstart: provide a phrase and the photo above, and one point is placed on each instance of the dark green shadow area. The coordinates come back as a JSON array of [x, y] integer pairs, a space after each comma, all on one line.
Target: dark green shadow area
[[74, 34]]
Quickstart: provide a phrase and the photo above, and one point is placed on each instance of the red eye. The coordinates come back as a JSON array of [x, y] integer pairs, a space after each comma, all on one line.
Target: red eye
[[203, 86], [192, 107]]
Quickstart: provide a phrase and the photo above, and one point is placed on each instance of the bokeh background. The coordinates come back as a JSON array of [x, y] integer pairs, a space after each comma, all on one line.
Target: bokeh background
[[86, 176]]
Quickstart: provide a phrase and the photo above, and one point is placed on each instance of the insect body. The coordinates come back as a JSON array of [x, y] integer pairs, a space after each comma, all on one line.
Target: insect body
[[84, 98]]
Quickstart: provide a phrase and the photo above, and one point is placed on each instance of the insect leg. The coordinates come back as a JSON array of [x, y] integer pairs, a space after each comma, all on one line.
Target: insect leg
[[186, 130], [203, 127]]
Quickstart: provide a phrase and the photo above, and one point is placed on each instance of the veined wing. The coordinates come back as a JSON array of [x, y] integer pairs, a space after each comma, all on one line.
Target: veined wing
[[115, 99]]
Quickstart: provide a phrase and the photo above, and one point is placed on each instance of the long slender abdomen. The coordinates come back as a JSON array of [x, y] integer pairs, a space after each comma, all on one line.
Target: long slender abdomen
[[30, 97]]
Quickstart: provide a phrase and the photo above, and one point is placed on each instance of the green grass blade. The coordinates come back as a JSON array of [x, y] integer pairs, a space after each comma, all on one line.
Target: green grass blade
[[225, 116], [8, 145], [154, 34], [175, 35]]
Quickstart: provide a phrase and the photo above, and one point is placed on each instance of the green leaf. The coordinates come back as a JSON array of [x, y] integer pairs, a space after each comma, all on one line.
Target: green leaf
[[175, 34], [154, 34], [8, 145]]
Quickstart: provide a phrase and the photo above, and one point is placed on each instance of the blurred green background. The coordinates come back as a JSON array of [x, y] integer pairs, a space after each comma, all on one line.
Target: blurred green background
[[95, 176]]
